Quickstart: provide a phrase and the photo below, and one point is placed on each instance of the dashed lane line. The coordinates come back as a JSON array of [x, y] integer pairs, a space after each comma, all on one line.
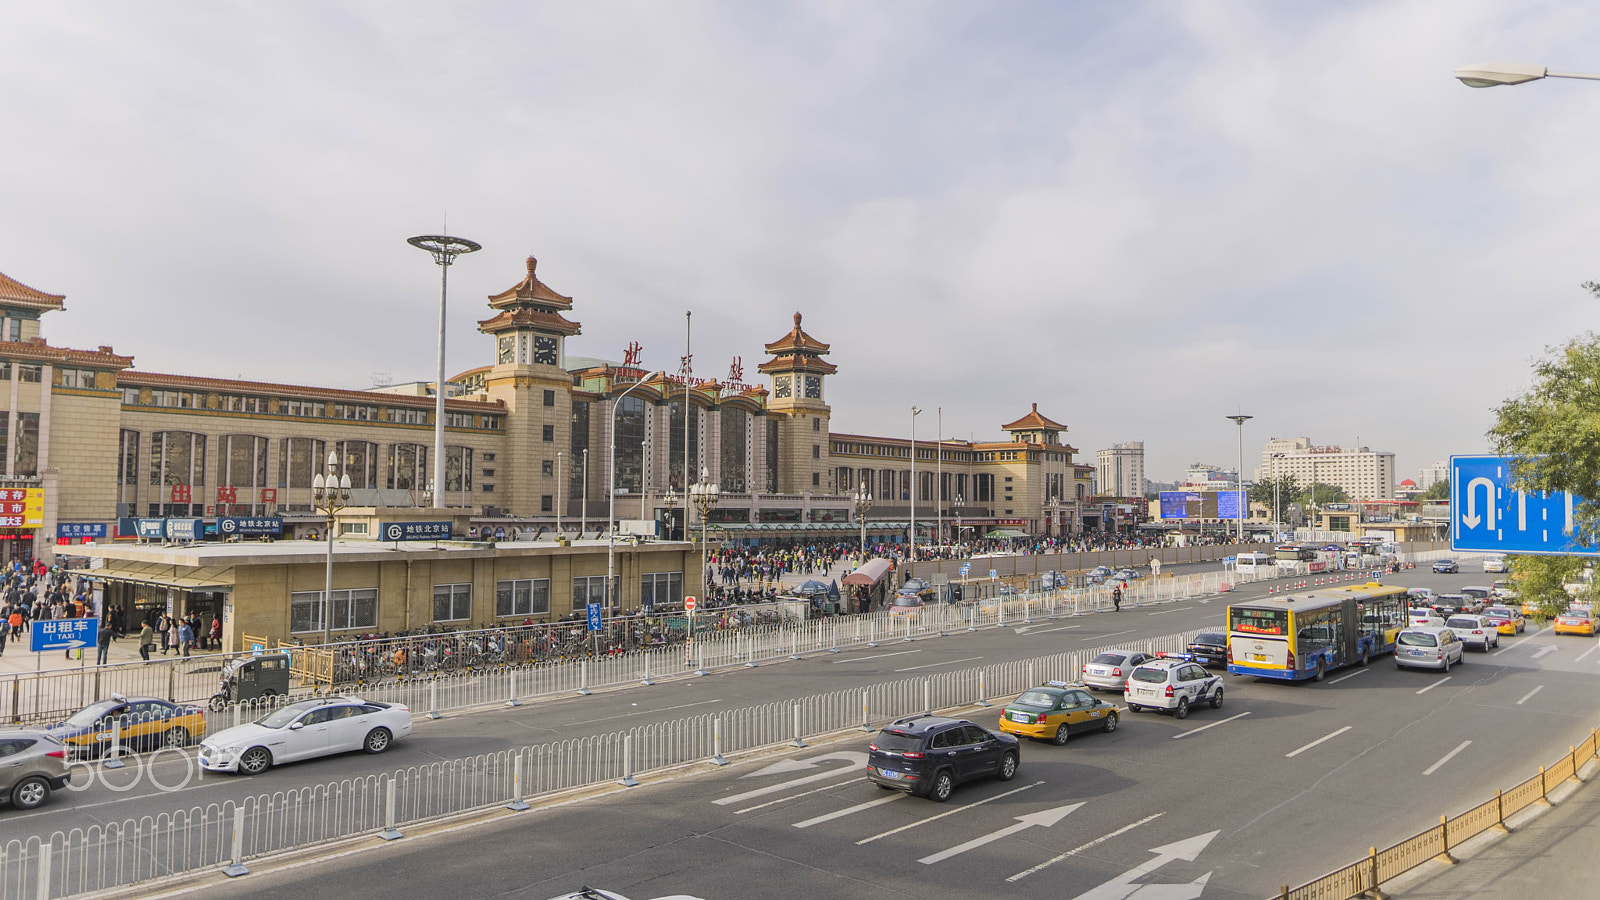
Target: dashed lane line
[[1446, 758], [1212, 725], [1327, 737]]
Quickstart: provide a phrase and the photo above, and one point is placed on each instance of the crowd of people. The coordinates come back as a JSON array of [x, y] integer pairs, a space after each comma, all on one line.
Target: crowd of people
[[36, 593]]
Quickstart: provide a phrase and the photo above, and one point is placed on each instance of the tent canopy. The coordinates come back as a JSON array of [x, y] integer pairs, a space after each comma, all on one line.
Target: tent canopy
[[871, 572], [1005, 533]]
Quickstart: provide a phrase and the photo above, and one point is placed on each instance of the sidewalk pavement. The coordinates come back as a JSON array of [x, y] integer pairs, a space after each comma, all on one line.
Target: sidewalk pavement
[[1548, 854], [18, 658]]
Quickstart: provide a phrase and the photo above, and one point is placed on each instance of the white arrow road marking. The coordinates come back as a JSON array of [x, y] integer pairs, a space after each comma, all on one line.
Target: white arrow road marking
[[1471, 519], [1319, 740], [1546, 650], [892, 831], [826, 787], [850, 810], [853, 758], [1044, 819], [1446, 758], [1514, 645], [1190, 891], [1123, 888], [1435, 684], [1082, 847], [1529, 695]]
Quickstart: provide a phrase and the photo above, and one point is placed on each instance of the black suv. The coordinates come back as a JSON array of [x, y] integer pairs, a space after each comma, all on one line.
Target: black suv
[[929, 755], [1209, 648]]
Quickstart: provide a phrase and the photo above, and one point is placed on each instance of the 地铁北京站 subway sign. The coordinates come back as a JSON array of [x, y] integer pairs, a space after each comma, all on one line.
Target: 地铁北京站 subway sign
[[414, 531]]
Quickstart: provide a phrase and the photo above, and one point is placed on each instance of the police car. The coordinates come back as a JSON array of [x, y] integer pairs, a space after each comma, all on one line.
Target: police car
[[1055, 710], [1172, 681]]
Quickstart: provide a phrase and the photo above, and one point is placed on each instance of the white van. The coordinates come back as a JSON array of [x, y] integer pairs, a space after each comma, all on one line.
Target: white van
[[1495, 562], [1256, 563]]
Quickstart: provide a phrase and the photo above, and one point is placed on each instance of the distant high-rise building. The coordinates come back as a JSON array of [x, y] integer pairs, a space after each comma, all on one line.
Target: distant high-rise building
[[1432, 475], [1201, 476], [1363, 473], [1120, 470]]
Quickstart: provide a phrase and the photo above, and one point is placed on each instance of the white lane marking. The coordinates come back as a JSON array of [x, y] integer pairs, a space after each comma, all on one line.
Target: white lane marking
[[952, 812], [1517, 644], [1045, 818], [643, 712], [1446, 758], [947, 662], [1592, 648], [1163, 612], [1096, 637], [1435, 684], [1081, 847], [1326, 737], [1529, 695], [850, 810], [1350, 676], [1031, 630], [1546, 650], [840, 662], [1218, 616], [853, 760], [824, 788], [1212, 725]]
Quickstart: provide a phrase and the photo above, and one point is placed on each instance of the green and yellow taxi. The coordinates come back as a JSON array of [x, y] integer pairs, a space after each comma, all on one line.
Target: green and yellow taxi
[[1056, 710], [139, 723]]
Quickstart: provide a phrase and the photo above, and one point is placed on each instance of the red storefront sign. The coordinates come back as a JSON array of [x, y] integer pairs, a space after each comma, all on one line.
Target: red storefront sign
[[180, 493], [227, 494], [269, 495]]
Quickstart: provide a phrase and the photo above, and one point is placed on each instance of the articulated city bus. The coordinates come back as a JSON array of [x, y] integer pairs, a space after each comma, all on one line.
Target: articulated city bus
[[1301, 636]]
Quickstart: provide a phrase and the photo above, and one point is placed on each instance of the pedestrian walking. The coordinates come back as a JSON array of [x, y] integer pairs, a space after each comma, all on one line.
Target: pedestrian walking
[[164, 629], [1116, 599], [216, 633], [185, 636], [147, 639], [103, 644]]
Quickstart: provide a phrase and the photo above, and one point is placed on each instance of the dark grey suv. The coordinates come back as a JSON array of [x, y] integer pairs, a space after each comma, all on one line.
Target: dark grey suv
[[32, 764], [929, 755]]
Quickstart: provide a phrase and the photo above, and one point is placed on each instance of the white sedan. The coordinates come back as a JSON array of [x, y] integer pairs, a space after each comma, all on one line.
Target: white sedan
[[304, 730], [1475, 631]]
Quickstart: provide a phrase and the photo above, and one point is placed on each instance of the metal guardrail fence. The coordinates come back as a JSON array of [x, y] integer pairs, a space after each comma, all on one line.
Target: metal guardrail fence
[[445, 671], [1378, 866], [225, 836]]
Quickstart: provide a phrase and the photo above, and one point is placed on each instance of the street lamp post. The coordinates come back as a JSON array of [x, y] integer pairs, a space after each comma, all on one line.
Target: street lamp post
[[913, 530], [1239, 476], [560, 473], [938, 480], [670, 501], [583, 514], [611, 493], [330, 494], [704, 494], [863, 501], [1482, 75], [445, 249]]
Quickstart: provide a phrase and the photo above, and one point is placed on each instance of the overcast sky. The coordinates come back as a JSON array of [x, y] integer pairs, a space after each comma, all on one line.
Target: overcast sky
[[1141, 216]]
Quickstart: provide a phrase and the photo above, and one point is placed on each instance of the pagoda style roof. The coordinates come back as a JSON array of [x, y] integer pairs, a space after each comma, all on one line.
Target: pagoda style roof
[[797, 351], [524, 317], [1033, 421], [39, 351], [530, 291], [15, 292]]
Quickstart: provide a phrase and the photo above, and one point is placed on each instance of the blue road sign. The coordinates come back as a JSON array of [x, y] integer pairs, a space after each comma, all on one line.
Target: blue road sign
[[65, 634], [1487, 516], [965, 568], [594, 616], [993, 574]]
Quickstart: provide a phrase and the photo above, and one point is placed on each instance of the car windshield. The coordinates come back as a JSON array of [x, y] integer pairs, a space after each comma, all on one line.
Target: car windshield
[[1418, 639], [1461, 622], [1037, 698], [1210, 637], [93, 713], [280, 718], [1109, 659], [1499, 611], [907, 601], [1153, 676], [898, 741]]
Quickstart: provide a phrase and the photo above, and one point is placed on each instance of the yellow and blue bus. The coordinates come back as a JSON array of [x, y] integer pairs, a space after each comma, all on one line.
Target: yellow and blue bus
[[1305, 636]]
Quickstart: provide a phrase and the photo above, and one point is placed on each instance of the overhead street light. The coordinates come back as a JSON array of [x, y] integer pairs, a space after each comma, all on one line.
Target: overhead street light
[[1482, 75]]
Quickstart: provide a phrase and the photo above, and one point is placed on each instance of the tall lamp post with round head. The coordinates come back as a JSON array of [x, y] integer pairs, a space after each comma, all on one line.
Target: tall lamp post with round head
[[913, 530], [445, 249], [611, 492], [330, 493], [1239, 477], [1483, 75], [704, 494], [863, 503]]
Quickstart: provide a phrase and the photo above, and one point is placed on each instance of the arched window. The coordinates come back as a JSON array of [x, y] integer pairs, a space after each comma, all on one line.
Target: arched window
[[735, 423], [406, 468], [360, 462], [300, 458]]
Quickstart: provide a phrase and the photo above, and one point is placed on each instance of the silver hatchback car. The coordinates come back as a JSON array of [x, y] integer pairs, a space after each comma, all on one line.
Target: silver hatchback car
[[32, 764], [1110, 670], [1428, 648]]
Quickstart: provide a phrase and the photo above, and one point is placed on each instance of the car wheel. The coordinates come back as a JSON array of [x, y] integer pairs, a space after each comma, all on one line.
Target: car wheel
[[378, 740], [255, 761], [177, 736], [1111, 723], [1216, 698], [1182, 712], [1363, 660], [30, 793], [1136, 709], [1063, 734], [944, 784], [1008, 767], [1322, 669], [1445, 665]]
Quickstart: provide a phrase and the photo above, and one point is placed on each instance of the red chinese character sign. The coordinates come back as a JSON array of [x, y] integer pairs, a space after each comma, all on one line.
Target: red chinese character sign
[[631, 354], [180, 493], [227, 494]]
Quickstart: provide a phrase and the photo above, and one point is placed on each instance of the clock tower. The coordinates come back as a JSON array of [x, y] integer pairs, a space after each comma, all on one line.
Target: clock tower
[[529, 376], [798, 370]]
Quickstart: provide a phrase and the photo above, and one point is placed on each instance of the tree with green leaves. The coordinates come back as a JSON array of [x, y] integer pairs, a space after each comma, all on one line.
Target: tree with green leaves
[[1281, 491], [1439, 490], [1318, 494], [1543, 580]]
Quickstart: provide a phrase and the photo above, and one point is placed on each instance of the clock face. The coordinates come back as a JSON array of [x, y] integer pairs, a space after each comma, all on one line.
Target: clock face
[[814, 387], [781, 387], [544, 350], [508, 347]]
